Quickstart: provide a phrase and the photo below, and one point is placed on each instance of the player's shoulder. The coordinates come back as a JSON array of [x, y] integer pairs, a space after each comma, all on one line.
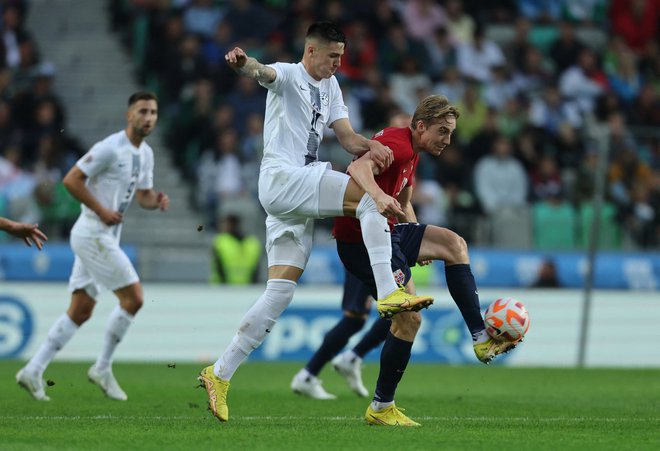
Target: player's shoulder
[[114, 140], [393, 134]]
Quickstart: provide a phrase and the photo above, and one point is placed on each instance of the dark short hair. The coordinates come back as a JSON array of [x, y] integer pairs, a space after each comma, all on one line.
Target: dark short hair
[[327, 31], [142, 95]]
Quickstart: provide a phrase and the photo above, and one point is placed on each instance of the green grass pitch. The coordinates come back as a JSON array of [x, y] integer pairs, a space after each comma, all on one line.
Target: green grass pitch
[[460, 408]]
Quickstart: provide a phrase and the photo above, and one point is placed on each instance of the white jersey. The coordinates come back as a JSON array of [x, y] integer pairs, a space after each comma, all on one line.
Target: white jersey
[[298, 108], [115, 169]]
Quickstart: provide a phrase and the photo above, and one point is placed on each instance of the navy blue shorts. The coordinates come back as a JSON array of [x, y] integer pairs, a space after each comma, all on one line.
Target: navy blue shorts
[[406, 240], [355, 295]]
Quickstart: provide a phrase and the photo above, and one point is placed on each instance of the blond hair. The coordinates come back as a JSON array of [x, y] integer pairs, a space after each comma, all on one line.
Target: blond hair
[[434, 108]]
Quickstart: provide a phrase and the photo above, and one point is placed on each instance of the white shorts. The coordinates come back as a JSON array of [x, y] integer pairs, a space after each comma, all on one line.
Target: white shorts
[[293, 197], [100, 264]]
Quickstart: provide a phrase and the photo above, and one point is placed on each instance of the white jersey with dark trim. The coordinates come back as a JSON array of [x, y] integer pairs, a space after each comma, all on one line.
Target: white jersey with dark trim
[[115, 169], [298, 108]]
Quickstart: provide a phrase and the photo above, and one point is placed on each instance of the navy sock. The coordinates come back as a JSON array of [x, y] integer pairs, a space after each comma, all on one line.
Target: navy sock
[[393, 362], [334, 341], [463, 290], [374, 337]]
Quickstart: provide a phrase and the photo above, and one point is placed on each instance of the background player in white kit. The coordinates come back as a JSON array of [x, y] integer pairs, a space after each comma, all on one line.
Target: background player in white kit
[[104, 180], [295, 188]]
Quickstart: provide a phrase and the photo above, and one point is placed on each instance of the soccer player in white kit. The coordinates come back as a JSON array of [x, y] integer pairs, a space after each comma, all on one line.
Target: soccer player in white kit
[[104, 180], [295, 188]]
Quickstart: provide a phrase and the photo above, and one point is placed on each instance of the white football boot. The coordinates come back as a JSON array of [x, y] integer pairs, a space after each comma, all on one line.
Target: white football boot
[[349, 366], [33, 383], [306, 384], [107, 382]]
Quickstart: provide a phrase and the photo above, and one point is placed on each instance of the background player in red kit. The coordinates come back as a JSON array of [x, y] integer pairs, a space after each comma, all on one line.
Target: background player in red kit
[[430, 131]]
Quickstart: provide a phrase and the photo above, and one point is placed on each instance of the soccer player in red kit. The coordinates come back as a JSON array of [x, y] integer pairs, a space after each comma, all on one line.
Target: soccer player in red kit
[[430, 131]]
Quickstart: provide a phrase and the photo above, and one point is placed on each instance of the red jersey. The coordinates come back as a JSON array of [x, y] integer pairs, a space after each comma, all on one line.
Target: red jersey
[[392, 181]]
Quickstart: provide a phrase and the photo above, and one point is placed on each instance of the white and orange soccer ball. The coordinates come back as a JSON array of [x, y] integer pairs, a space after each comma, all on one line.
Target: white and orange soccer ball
[[507, 320]]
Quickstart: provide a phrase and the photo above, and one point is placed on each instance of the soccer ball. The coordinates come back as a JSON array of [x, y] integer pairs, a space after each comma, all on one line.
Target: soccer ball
[[507, 320]]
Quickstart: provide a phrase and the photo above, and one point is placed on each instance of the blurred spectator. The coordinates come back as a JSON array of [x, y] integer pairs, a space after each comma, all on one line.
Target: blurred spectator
[[201, 17], [513, 118], [453, 168], [547, 275], [636, 21], [459, 24], [479, 145], [441, 52], [9, 132], [376, 102], [520, 43], [620, 66], [222, 41], [182, 69], [500, 180], [409, 85], [564, 51], [477, 58], [17, 186], [235, 256], [473, 113], [360, 54], [192, 120], [429, 202], [395, 46], [22, 73], [13, 34], [585, 182], [584, 81], [250, 21], [451, 85], [585, 12], [531, 78], [645, 110], [546, 180], [540, 11], [625, 172], [380, 15], [422, 17], [246, 99], [500, 89], [551, 111], [641, 216], [41, 89]]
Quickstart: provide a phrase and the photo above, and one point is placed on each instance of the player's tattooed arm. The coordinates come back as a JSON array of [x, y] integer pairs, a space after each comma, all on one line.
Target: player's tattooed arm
[[248, 66]]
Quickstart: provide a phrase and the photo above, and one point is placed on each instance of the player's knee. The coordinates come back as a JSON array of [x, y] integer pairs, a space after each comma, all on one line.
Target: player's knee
[[80, 316], [458, 249], [132, 304], [405, 325]]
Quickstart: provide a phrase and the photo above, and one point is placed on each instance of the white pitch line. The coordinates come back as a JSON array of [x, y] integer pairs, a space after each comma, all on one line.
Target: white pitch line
[[337, 418]]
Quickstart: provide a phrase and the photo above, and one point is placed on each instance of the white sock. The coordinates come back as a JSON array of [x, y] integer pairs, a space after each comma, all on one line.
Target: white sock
[[378, 406], [59, 335], [377, 239], [255, 326], [118, 323], [480, 337], [351, 356]]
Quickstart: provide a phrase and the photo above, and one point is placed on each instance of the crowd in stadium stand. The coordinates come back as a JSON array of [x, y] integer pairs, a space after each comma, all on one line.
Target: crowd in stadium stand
[[35, 151], [532, 78]]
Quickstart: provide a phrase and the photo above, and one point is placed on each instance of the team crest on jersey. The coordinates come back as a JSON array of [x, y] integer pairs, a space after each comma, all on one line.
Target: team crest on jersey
[[399, 277], [325, 99]]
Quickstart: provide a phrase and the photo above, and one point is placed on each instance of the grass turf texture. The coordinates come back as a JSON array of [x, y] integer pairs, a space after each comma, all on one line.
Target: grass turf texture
[[469, 407]]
